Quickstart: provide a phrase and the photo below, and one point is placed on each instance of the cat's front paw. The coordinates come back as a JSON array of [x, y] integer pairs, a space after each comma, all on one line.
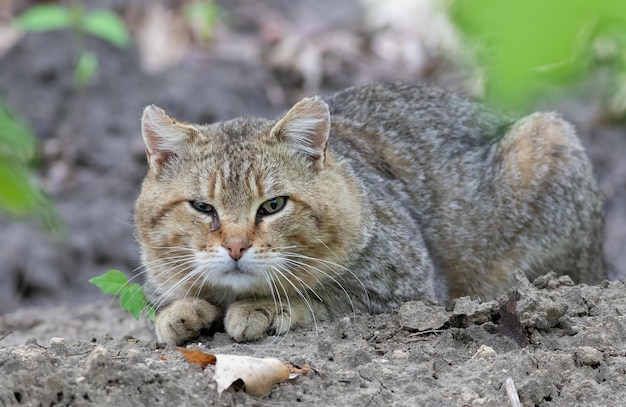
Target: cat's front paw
[[183, 320], [251, 321]]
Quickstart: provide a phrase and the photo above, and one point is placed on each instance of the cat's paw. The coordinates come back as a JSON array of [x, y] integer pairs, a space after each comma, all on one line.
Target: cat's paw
[[251, 321], [183, 320]]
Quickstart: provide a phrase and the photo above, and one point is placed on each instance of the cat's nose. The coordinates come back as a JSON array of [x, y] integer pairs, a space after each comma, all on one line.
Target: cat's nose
[[236, 247]]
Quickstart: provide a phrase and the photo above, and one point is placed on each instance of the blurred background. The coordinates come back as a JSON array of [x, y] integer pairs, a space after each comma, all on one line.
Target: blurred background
[[75, 76]]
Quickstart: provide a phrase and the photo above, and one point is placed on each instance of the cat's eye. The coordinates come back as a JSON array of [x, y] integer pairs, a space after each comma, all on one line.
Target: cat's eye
[[272, 205], [202, 207]]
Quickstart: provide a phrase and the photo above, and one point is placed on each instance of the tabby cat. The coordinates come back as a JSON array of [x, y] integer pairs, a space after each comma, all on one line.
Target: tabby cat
[[360, 201]]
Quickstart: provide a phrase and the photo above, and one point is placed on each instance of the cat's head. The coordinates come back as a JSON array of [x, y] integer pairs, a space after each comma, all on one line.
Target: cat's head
[[244, 207]]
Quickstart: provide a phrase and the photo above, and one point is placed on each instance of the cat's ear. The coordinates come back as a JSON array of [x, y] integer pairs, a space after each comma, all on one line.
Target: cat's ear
[[306, 127], [164, 136]]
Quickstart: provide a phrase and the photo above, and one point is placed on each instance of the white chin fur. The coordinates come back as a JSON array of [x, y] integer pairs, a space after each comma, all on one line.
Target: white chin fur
[[220, 269]]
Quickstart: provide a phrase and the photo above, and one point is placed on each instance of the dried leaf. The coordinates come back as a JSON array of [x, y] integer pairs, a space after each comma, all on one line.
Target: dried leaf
[[197, 357], [258, 375], [295, 371]]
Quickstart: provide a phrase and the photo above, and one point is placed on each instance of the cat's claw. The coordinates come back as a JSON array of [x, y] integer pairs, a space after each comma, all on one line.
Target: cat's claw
[[184, 320]]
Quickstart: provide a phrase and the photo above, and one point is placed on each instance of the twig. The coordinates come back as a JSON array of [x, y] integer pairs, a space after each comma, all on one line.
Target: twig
[[421, 335], [512, 392], [5, 335]]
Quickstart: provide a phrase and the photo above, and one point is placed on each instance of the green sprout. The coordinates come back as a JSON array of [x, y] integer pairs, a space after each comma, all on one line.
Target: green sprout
[[132, 296], [99, 23]]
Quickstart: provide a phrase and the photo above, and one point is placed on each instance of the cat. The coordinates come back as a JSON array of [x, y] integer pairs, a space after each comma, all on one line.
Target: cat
[[363, 200]]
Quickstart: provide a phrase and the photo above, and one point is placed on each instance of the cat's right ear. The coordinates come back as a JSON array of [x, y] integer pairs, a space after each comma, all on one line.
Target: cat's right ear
[[164, 136]]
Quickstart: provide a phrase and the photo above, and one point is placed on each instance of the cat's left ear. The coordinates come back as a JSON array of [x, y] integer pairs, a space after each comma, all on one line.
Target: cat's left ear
[[164, 136], [306, 127]]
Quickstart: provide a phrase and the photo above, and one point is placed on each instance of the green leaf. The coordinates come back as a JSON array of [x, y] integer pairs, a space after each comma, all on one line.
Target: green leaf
[[17, 140], [18, 196], [86, 68], [113, 282], [107, 26], [45, 17], [132, 299]]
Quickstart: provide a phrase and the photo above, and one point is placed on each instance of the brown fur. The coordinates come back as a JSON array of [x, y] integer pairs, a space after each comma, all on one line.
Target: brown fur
[[393, 193]]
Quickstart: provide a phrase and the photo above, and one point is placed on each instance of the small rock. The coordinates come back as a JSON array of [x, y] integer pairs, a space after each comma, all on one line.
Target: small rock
[[535, 388], [32, 341], [485, 353], [417, 316], [468, 311], [588, 356], [399, 354], [55, 340], [57, 346], [98, 358]]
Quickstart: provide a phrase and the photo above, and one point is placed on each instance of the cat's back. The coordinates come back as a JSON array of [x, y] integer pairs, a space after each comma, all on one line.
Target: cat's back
[[419, 136], [418, 115]]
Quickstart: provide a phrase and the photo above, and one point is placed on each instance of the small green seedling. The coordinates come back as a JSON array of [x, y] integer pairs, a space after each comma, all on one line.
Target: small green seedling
[[132, 296]]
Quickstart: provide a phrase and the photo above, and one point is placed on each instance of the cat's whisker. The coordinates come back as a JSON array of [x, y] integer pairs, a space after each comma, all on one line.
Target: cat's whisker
[[277, 299], [332, 265], [123, 222], [305, 298], [182, 268], [273, 291], [307, 268], [164, 263], [275, 278], [198, 273], [302, 282]]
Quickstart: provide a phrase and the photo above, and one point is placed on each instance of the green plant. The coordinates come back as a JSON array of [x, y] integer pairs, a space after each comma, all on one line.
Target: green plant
[[99, 23], [132, 296], [20, 194], [527, 46]]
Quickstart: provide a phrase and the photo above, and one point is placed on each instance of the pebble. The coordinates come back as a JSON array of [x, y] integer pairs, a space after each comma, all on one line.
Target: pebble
[[56, 341], [485, 352], [588, 356]]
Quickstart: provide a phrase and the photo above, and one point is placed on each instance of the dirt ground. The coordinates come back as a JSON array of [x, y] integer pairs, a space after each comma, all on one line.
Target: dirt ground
[[64, 343]]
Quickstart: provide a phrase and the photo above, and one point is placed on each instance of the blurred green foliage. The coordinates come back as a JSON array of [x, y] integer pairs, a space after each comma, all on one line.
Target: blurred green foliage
[[98, 23], [20, 194], [527, 46], [204, 15]]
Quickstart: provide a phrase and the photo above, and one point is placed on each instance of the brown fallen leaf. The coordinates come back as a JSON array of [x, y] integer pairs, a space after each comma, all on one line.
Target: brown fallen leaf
[[295, 371], [258, 375], [198, 357]]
